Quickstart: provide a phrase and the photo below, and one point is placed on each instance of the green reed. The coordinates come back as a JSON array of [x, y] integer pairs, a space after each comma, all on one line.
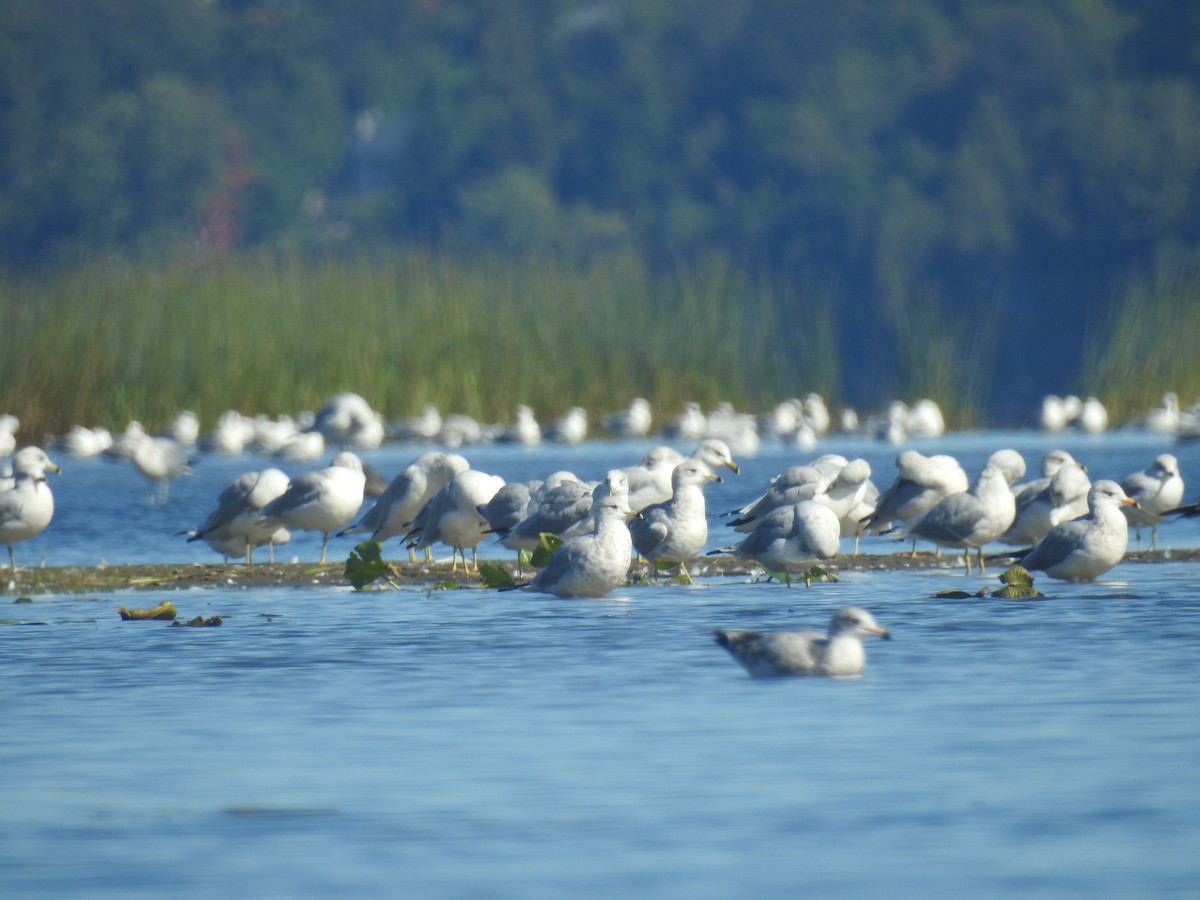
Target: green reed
[[107, 341], [1147, 344]]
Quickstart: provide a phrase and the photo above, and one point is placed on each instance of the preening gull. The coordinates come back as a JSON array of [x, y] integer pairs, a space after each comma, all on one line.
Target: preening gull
[[26, 507], [592, 564], [236, 526], [1157, 489], [323, 501], [399, 504], [921, 482], [1083, 549], [676, 530], [840, 653]]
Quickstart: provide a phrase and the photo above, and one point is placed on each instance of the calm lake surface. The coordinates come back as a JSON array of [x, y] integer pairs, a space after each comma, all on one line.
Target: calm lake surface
[[472, 743]]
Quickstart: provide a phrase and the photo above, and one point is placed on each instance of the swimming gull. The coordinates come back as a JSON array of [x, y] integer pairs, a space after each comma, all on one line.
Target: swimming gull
[[839, 654], [791, 539], [323, 501], [1083, 549], [968, 520], [676, 530], [27, 506], [1157, 489]]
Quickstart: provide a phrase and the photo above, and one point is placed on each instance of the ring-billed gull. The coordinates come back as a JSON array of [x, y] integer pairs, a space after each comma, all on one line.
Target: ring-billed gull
[[159, 459], [26, 507], [1083, 549], [839, 654], [592, 564], [1063, 497], [9, 424], [236, 526], [562, 502], [571, 428], [921, 482], [632, 422], [452, 516], [1034, 503], [650, 480], [968, 520], [323, 501], [397, 507], [791, 539], [675, 531], [348, 420], [523, 430], [1157, 489]]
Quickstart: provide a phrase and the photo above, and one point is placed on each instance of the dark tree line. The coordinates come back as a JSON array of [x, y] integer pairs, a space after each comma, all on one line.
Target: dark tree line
[[930, 160]]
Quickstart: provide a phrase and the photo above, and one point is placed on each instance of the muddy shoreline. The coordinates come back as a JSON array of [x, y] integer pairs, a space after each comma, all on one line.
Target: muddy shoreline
[[424, 576]]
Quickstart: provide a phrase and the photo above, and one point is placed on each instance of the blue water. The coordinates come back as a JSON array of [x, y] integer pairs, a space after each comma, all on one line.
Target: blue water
[[480, 744]]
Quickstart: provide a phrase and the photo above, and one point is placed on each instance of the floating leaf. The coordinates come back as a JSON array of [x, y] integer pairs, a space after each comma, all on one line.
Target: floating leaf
[[199, 622], [164, 610], [1018, 585], [495, 577], [547, 544], [365, 564], [448, 585], [23, 600], [1017, 575]]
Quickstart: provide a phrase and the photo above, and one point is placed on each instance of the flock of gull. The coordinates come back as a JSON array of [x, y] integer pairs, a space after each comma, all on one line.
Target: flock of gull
[[1060, 522]]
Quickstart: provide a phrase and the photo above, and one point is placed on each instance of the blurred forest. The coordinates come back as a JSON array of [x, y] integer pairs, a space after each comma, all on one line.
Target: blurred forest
[[982, 178]]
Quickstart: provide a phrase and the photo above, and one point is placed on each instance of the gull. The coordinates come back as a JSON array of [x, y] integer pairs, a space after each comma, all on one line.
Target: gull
[[236, 526], [323, 501], [1166, 417], [632, 422], [676, 530], [82, 442], [9, 424], [27, 505], [348, 420], [1063, 497], [791, 539], [523, 430], [560, 504], [593, 563], [572, 428], [1157, 489], [452, 516], [396, 508], [1034, 502], [1083, 549], [921, 482], [650, 480], [839, 654], [159, 459], [1068, 493], [970, 519], [688, 425]]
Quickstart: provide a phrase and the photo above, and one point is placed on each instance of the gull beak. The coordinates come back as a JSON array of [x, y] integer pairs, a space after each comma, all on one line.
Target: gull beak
[[881, 633], [1129, 501], [53, 468], [734, 466]]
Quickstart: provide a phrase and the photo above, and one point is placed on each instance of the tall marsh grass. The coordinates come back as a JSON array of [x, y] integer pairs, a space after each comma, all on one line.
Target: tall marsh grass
[[108, 341], [1149, 342]]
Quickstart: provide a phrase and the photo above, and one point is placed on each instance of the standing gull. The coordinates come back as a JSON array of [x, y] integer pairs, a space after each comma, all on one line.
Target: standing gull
[[236, 526], [1157, 490], [675, 531], [791, 539], [452, 516], [1083, 549], [971, 519], [921, 483], [321, 501], [805, 652], [26, 507]]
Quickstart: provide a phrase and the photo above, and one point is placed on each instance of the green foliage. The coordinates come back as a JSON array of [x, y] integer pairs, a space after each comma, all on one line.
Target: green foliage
[[547, 544], [494, 576], [366, 564]]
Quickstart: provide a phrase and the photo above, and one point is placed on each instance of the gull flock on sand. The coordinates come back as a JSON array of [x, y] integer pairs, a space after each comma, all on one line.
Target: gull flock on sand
[[1061, 523]]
